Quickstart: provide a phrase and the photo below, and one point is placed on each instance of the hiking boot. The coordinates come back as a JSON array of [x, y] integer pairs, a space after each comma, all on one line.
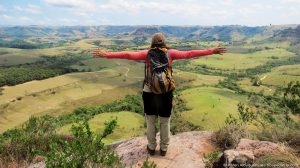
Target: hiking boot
[[150, 151], [163, 153]]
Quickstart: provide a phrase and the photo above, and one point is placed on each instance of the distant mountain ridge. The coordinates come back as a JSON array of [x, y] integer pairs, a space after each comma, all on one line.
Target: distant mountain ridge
[[205, 33], [290, 34]]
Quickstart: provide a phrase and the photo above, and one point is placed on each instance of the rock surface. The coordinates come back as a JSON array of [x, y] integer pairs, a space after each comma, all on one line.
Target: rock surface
[[247, 151], [259, 148], [185, 150]]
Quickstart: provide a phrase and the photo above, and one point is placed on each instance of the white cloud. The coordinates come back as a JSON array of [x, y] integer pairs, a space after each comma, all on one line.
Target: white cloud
[[187, 8], [18, 8], [25, 19], [6, 17], [132, 7], [76, 7], [68, 21], [2, 9], [65, 3], [45, 21], [176, 12], [290, 2], [33, 9], [71, 3]]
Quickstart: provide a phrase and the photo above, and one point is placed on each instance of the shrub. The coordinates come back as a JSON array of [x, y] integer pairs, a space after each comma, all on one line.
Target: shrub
[[275, 133], [291, 97], [147, 164], [37, 136], [211, 158], [179, 124], [21, 143], [282, 160], [245, 115], [85, 150], [229, 136], [256, 81]]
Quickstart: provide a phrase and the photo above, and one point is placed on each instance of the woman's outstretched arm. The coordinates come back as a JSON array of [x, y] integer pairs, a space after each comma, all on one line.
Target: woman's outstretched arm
[[197, 53], [139, 55]]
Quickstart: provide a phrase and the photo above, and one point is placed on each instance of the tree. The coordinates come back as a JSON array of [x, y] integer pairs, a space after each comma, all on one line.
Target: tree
[[291, 98], [256, 81]]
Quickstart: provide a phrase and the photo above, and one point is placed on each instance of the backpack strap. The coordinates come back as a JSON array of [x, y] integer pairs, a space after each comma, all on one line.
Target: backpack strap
[[169, 62], [147, 63]]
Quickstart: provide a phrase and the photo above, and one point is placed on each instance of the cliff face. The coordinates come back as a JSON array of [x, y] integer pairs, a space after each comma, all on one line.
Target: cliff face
[[185, 150]]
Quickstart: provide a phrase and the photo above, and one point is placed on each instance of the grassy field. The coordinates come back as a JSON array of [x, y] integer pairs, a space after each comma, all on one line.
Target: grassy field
[[234, 61], [246, 84], [13, 56], [114, 79], [129, 125], [279, 76], [282, 75], [183, 78], [210, 106], [64, 93], [95, 64]]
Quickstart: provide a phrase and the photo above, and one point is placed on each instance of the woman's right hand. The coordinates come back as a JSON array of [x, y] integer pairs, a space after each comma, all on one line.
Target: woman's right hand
[[219, 50], [99, 53]]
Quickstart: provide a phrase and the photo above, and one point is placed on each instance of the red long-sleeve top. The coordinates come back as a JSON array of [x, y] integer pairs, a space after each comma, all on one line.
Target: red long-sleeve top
[[173, 54]]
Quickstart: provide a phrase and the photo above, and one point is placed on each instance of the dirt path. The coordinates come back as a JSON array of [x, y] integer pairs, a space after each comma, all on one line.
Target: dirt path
[[264, 77], [185, 150], [126, 74]]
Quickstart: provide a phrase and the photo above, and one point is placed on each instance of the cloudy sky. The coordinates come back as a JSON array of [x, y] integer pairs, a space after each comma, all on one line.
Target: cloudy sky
[[146, 12]]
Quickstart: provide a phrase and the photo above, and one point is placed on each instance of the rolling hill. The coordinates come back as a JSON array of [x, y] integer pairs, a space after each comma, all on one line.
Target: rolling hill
[[205, 33]]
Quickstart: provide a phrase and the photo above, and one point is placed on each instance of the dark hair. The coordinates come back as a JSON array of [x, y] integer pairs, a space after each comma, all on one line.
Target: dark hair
[[158, 40]]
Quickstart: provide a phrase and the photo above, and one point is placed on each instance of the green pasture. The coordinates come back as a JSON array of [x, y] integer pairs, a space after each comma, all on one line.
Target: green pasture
[[13, 56], [247, 85], [62, 94], [129, 125], [183, 78], [281, 76], [94, 64], [234, 61], [210, 106]]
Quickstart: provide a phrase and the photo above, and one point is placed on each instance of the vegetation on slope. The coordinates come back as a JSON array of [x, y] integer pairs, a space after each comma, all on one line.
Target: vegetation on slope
[[275, 116]]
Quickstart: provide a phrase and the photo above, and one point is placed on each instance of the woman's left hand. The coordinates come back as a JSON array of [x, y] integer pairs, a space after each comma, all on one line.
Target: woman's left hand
[[99, 53], [219, 50]]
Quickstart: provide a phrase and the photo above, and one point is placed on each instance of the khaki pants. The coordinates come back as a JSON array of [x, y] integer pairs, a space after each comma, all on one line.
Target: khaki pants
[[164, 132]]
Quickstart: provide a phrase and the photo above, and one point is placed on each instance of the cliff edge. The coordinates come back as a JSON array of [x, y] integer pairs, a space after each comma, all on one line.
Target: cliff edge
[[185, 150]]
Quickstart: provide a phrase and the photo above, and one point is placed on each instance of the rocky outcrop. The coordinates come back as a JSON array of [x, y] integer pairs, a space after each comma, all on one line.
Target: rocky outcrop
[[259, 148], [185, 150], [246, 152]]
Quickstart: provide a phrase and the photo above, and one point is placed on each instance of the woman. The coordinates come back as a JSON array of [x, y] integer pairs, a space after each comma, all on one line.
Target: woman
[[158, 104]]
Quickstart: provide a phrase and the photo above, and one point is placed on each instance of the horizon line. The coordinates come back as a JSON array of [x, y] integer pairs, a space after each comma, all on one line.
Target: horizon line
[[292, 24]]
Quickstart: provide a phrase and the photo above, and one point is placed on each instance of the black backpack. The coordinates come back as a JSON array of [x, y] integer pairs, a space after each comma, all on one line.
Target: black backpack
[[158, 71]]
